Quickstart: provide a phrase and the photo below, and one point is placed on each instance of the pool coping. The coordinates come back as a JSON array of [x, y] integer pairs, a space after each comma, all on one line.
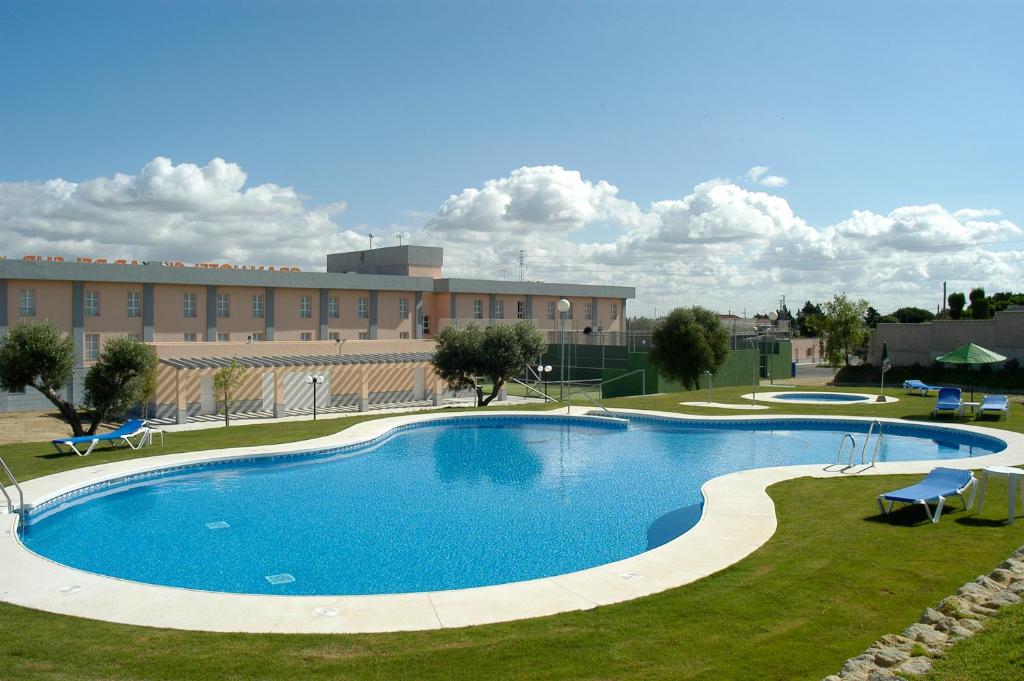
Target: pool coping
[[737, 518]]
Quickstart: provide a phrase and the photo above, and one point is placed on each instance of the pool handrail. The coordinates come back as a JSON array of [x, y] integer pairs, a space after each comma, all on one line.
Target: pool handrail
[[864, 449], [14, 481]]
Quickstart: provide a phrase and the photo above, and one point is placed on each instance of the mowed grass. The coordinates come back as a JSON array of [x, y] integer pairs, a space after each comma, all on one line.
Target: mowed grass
[[833, 578], [995, 654]]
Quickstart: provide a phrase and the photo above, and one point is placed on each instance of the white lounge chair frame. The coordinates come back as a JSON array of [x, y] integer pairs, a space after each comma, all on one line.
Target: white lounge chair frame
[[940, 501], [143, 432]]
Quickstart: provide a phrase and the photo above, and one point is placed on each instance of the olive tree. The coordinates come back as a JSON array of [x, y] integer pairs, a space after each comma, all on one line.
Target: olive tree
[[687, 343], [843, 328], [37, 355], [495, 354], [120, 378], [225, 381]]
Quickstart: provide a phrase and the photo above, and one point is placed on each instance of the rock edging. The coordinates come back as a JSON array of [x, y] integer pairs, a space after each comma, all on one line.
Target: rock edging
[[894, 657]]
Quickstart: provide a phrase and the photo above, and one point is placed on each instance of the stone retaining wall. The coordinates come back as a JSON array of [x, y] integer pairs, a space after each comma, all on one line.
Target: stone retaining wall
[[903, 656]]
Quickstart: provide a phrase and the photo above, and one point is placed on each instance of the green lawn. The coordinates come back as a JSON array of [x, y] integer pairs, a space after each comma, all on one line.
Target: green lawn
[[833, 579], [995, 654]]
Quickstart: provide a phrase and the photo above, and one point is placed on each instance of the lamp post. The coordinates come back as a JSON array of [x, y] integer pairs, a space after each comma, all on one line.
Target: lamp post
[[772, 316], [315, 380], [544, 370], [563, 308]]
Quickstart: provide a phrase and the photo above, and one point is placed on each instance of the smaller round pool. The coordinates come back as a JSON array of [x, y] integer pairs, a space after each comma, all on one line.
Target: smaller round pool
[[820, 397]]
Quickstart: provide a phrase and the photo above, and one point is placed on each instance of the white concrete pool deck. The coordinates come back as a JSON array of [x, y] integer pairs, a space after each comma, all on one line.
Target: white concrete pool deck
[[738, 517]]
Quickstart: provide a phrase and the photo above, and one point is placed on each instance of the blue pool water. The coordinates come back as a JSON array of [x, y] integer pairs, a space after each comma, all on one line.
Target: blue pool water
[[450, 504], [821, 397]]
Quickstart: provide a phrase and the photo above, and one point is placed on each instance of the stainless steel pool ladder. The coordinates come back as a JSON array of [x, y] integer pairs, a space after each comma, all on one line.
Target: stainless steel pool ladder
[[14, 481], [863, 449], [867, 438], [839, 451]]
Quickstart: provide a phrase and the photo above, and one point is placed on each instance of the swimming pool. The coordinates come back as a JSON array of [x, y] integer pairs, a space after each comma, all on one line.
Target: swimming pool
[[821, 397], [445, 504]]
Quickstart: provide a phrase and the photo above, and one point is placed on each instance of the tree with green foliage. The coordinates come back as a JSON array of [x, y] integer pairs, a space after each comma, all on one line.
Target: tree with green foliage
[[37, 355], [495, 354], [689, 342], [956, 305], [1001, 301], [871, 317], [979, 304], [843, 329], [808, 320], [119, 379], [225, 381], [912, 315]]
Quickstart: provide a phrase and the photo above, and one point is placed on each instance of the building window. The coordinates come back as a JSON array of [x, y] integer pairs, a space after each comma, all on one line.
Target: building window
[[190, 305], [27, 304], [256, 337], [92, 346], [426, 324], [134, 304], [403, 308], [499, 309], [223, 304], [306, 307], [19, 391], [403, 335], [615, 311], [588, 310], [333, 335], [92, 303], [551, 310], [520, 309], [306, 336], [257, 307], [332, 307], [363, 307], [223, 337], [478, 309], [190, 338], [364, 335]]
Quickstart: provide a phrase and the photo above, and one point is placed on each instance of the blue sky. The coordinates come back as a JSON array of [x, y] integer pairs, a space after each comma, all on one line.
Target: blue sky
[[393, 107]]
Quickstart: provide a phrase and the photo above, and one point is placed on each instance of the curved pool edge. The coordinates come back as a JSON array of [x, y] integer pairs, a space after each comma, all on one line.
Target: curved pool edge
[[737, 518], [772, 397]]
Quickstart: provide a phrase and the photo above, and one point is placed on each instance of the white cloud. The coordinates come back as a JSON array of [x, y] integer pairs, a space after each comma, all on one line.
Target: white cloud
[[170, 212], [722, 245], [977, 213], [759, 175]]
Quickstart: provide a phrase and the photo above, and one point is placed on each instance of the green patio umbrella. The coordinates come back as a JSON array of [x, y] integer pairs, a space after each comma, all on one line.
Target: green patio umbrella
[[971, 354]]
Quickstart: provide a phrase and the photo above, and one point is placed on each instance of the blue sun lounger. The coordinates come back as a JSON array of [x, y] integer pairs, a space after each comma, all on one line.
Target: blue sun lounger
[[948, 402], [126, 432], [995, 404], [939, 485], [916, 386]]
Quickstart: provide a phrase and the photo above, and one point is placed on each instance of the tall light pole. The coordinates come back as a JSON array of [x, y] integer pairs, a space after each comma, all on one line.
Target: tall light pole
[[315, 380], [563, 308], [772, 316]]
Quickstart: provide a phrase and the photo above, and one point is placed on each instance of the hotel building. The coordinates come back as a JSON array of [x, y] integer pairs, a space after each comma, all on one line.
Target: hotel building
[[375, 308]]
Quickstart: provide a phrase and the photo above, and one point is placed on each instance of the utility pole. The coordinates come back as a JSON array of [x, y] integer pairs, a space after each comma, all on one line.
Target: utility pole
[[943, 296]]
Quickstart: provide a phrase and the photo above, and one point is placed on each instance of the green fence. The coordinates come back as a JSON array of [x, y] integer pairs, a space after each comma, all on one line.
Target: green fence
[[605, 362]]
